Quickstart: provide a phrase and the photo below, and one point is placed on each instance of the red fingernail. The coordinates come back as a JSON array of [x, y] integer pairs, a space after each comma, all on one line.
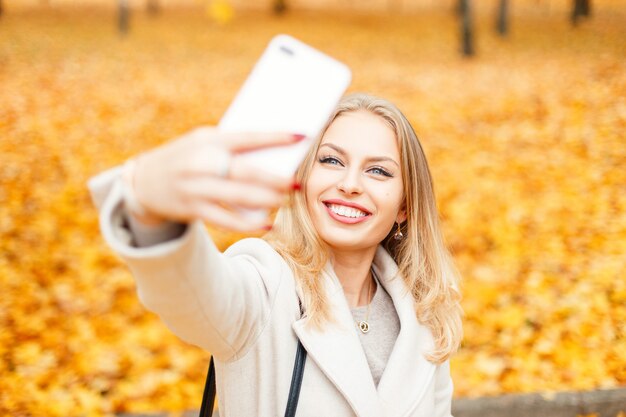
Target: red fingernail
[[268, 227], [298, 137], [296, 186]]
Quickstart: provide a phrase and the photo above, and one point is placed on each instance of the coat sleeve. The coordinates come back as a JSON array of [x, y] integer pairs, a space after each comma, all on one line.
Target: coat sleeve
[[443, 390], [218, 301]]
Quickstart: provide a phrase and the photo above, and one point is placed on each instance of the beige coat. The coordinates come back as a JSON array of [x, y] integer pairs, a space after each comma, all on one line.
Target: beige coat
[[242, 306]]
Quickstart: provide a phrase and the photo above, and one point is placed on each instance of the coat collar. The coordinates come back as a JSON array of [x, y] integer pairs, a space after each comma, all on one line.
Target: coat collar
[[338, 352]]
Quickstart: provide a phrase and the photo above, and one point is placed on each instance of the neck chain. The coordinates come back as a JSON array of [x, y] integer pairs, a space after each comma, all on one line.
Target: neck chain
[[364, 325]]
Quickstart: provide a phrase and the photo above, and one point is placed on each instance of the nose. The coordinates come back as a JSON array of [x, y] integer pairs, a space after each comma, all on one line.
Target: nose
[[350, 183]]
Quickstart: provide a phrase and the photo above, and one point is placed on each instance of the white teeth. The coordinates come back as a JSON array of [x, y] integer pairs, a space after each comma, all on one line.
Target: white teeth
[[346, 211]]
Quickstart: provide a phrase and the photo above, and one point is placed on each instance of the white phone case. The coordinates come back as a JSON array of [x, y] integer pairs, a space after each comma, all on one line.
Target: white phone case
[[293, 88]]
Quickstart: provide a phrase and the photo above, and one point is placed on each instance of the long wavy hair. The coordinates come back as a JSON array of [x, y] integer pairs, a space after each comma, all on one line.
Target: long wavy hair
[[423, 260]]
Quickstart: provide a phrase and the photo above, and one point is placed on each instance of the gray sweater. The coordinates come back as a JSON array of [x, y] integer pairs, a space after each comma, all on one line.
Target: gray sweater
[[384, 328]]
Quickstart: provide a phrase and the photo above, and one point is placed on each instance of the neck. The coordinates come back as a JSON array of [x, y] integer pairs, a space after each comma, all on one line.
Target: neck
[[353, 271]]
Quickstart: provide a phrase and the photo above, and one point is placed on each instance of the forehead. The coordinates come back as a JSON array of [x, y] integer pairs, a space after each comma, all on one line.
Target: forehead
[[362, 133]]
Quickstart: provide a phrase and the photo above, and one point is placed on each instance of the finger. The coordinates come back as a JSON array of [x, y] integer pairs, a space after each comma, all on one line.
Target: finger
[[235, 193], [242, 142], [218, 162], [242, 171], [227, 219], [207, 150], [202, 132]]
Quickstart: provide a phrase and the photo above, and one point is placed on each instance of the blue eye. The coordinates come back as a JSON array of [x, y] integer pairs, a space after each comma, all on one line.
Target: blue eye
[[330, 160], [380, 171]]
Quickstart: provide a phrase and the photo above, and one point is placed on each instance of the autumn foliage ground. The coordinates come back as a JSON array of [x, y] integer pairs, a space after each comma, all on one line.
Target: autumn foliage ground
[[526, 143]]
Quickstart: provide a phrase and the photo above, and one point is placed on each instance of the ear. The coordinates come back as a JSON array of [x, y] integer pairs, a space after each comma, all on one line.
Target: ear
[[401, 216]]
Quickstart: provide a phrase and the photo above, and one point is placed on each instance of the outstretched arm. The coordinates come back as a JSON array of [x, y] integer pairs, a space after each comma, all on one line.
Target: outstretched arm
[[213, 300]]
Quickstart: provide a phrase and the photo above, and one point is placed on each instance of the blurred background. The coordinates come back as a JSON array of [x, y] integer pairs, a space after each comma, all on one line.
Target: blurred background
[[521, 108]]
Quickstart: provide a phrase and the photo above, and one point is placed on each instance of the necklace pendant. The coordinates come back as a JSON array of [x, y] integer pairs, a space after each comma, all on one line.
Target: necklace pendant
[[364, 326]]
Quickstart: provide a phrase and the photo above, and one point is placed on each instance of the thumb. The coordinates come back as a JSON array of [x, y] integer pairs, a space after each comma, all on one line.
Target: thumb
[[237, 142]]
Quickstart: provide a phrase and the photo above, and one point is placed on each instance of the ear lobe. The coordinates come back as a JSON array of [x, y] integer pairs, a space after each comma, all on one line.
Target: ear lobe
[[401, 217]]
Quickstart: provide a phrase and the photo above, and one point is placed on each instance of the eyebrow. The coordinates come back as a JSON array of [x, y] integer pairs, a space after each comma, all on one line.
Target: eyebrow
[[373, 158]]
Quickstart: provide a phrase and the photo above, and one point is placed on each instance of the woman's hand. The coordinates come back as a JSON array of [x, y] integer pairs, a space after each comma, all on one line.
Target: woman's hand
[[200, 176]]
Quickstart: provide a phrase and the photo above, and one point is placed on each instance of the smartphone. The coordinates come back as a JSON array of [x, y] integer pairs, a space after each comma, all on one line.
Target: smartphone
[[293, 88]]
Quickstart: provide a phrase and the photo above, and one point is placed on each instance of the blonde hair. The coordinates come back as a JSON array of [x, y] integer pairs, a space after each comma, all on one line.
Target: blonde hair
[[424, 263]]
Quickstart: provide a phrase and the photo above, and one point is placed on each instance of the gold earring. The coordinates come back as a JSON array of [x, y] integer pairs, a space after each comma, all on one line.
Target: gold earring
[[398, 235]]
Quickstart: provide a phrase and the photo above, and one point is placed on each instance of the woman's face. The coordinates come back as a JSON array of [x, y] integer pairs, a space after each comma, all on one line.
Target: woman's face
[[354, 192]]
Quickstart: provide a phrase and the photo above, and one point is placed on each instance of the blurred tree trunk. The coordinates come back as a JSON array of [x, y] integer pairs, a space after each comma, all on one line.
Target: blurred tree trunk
[[467, 29], [153, 8], [457, 8], [502, 21], [123, 16], [280, 6], [586, 8], [580, 8]]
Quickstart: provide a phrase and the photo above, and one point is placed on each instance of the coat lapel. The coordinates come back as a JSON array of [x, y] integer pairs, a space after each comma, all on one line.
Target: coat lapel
[[408, 373], [338, 353]]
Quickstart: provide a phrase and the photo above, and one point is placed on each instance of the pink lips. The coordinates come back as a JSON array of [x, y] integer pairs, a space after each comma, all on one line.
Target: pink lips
[[347, 204], [343, 219]]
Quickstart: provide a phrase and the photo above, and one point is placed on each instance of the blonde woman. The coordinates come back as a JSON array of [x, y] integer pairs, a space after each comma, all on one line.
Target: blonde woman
[[354, 267]]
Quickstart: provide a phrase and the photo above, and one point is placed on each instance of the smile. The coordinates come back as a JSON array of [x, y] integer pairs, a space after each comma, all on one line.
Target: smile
[[346, 212]]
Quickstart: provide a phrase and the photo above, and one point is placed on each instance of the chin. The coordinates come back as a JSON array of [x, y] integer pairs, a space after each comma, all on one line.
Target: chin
[[349, 241]]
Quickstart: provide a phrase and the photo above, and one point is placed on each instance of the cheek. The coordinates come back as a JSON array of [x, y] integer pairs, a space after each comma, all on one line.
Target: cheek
[[311, 186], [391, 195], [314, 186], [391, 200], [319, 180]]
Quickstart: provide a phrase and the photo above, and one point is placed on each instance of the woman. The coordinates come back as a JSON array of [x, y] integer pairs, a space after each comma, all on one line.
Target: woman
[[356, 241]]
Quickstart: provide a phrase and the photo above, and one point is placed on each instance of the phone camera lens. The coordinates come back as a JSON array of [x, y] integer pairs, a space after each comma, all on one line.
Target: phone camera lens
[[286, 50]]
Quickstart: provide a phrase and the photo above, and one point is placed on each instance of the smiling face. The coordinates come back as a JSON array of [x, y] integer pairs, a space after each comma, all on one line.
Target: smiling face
[[354, 192]]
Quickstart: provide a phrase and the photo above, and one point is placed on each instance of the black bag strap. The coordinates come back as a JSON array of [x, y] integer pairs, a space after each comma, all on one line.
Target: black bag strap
[[208, 397], [296, 381]]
